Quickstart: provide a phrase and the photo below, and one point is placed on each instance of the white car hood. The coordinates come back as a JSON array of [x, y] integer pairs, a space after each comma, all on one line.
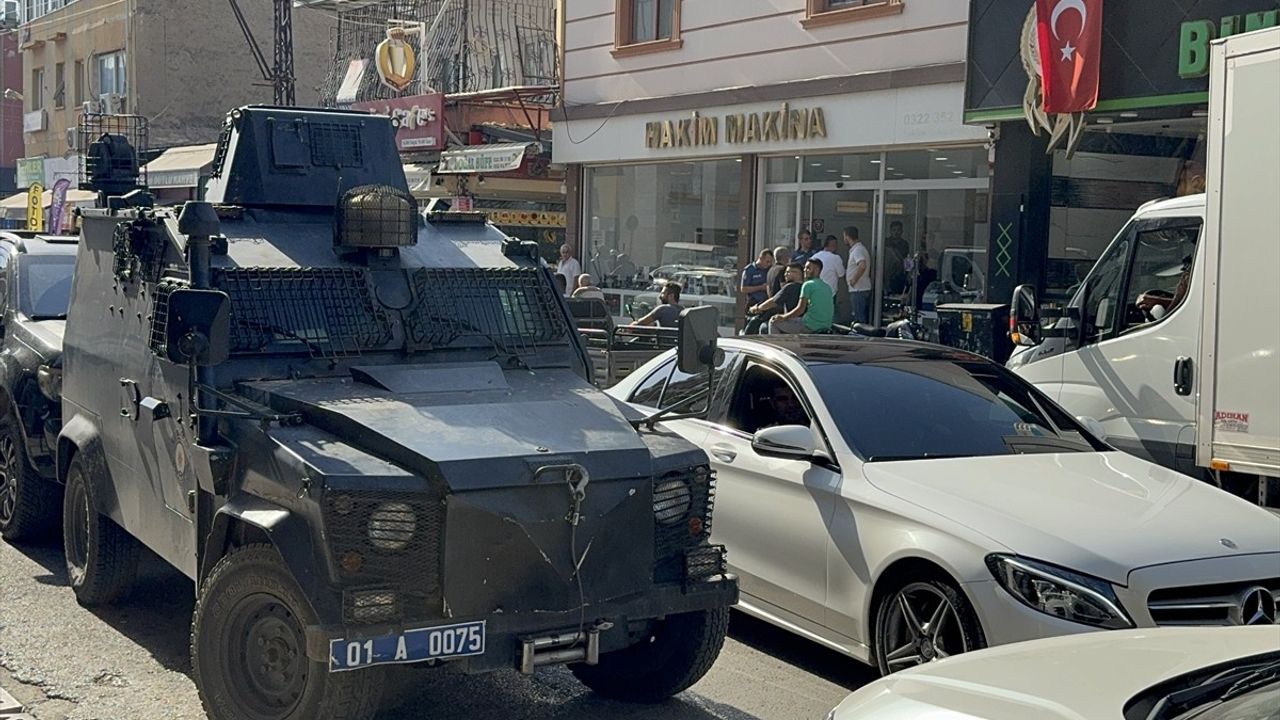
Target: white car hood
[[1103, 514], [1077, 677]]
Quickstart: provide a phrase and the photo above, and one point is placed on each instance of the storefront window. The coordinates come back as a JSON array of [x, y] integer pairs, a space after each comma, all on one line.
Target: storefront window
[[842, 168], [782, 170], [936, 164], [646, 224]]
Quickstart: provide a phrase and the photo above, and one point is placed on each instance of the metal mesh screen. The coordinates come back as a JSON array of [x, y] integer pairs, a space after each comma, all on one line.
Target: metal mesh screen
[[327, 311], [336, 145], [90, 127], [393, 539], [160, 313], [513, 309]]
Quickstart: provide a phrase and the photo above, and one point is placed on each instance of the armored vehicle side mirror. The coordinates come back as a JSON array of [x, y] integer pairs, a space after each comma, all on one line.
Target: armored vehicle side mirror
[[1024, 318], [699, 331], [198, 330]]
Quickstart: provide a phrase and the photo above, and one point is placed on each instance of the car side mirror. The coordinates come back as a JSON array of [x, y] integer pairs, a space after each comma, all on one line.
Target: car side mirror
[[198, 328], [1024, 318], [699, 331], [1093, 426], [786, 441]]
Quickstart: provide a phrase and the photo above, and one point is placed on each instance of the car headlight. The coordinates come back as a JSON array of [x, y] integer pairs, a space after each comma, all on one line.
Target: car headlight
[[392, 525], [672, 500], [1060, 592]]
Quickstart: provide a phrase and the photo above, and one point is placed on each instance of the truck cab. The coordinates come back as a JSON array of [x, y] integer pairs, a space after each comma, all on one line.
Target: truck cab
[[368, 438], [1113, 356]]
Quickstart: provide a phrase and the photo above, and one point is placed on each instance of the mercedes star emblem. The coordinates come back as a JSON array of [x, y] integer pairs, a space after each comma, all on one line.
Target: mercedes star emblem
[[1256, 607]]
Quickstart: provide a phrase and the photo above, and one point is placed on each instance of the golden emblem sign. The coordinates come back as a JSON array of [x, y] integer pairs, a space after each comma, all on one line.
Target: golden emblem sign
[[396, 61]]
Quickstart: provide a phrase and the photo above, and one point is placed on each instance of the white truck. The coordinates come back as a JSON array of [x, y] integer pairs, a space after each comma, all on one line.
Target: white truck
[[1170, 348]]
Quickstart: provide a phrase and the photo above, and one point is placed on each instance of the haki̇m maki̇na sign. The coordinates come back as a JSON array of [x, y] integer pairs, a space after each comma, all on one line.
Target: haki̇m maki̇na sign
[[700, 130]]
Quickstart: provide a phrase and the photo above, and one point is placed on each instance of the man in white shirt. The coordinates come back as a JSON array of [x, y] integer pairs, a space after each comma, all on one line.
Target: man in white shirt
[[569, 267], [832, 265], [858, 276]]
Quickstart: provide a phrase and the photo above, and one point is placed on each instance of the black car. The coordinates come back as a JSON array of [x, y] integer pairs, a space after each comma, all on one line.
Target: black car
[[35, 291]]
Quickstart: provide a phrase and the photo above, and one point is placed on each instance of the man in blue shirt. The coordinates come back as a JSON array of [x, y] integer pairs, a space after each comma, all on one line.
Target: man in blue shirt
[[755, 278]]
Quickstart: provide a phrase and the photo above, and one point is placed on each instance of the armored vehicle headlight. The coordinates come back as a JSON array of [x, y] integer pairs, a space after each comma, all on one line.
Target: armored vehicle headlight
[[392, 525], [671, 500]]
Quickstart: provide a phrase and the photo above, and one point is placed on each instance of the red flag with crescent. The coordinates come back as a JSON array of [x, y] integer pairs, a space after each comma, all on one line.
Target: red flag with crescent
[[1070, 53]]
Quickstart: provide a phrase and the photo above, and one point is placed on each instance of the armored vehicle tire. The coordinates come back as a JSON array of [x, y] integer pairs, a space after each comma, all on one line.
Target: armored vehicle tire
[[102, 559], [248, 650], [670, 659], [29, 504]]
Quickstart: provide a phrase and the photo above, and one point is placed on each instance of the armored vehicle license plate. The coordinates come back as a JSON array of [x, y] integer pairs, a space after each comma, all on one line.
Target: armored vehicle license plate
[[444, 641]]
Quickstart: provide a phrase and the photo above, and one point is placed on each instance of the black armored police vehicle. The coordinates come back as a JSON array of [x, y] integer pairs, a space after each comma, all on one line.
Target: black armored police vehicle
[[368, 436]]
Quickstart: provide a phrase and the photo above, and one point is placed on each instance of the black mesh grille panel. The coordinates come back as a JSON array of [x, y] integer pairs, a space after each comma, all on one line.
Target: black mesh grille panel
[[326, 311], [515, 309], [160, 314], [393, 540], [682, 506], [336, 145]]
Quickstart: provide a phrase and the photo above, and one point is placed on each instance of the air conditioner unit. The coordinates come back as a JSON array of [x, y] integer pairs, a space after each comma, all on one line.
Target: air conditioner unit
[[111, 104], [73, 139]]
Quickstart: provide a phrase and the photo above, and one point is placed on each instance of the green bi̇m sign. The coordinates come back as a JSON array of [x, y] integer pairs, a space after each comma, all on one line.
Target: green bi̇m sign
[[1193, 52]]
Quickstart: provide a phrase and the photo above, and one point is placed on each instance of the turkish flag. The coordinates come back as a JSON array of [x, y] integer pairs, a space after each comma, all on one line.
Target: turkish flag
[[1070, 53]]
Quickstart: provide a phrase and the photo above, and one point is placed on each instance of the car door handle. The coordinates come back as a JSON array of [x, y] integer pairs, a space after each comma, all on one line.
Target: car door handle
[[1183, 376], [723, 454]]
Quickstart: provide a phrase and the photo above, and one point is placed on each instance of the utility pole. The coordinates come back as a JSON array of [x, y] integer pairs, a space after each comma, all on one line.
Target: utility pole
[[282, 71]]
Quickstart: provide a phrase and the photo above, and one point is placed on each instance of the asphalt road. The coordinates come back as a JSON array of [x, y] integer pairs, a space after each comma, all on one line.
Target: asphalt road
[[130, 662]]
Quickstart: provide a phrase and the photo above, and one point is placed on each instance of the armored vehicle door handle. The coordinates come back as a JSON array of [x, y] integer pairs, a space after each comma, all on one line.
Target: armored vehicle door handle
[[130, 394], [723, 454]]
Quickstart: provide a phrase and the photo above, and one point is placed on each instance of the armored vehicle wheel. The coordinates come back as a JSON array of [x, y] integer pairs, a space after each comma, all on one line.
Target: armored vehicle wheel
[[673, 656], [248, 649], [102, 559], [28, 503]]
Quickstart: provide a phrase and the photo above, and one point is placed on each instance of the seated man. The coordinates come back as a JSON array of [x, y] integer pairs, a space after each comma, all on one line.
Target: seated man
[[1156, 304], [782, 301], [667, 314], [816, 309], [587, 288], [787, 408]]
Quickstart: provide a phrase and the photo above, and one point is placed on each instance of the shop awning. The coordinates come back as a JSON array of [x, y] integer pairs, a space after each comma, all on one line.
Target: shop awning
[[496, 158], [14, 207], [180, 167], [418, 176]]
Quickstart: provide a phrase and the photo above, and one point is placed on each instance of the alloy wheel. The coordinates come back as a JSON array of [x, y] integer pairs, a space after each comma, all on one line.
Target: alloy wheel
[[921, 626], [9, 472]]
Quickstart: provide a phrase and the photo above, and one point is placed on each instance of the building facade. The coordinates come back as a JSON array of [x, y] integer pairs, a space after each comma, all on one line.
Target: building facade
[[11, 149], [700, 133], [1055, 209], [181, 64]]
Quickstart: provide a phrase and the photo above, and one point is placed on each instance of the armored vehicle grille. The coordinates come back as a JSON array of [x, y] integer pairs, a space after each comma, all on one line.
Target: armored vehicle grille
[[682, 505], [391, 540], [515, 309], [327, 311], [160, 312]]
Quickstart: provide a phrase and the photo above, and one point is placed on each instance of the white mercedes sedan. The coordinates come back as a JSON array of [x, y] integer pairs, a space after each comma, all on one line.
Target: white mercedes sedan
[[1165, 674], [902, 503]]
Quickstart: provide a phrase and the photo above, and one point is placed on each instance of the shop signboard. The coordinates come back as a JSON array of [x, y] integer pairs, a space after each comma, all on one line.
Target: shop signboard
[[419, 120], [1154, 53], [30, 171], [526, 218], [35, 207], [497, 158]]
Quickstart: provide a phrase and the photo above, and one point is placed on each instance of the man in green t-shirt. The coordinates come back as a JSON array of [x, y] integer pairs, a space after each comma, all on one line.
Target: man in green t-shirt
[[817, 306]]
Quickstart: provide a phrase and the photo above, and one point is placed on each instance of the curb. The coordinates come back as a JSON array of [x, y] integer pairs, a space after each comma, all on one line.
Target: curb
[[10, 709]]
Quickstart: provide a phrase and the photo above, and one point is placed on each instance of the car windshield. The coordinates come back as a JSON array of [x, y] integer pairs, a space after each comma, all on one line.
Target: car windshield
[[916, 409], [44, 285]]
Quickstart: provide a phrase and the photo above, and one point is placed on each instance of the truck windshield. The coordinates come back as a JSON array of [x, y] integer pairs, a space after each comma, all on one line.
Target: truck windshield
[[44, 285], [924, 409]]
